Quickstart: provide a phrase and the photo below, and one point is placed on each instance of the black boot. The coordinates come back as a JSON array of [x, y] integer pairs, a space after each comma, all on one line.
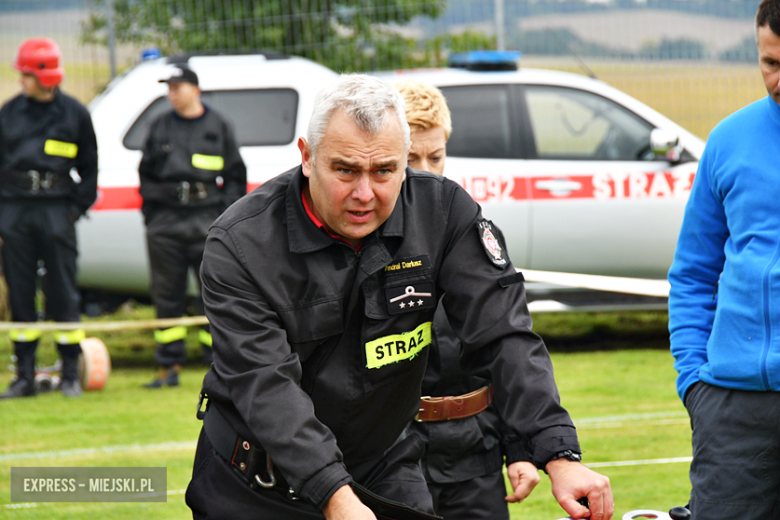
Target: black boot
[[70, 386], [23, 384], [167, 377]]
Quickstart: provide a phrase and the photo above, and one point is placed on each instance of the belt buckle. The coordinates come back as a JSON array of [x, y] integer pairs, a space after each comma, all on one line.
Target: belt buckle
[[48, 181], [35, 180], [201, 193], [183, 192], [417, 416]]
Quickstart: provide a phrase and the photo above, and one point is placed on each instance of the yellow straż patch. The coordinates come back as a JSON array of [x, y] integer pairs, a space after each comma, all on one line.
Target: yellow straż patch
[[208, 162], [392, 349], [60, 149]]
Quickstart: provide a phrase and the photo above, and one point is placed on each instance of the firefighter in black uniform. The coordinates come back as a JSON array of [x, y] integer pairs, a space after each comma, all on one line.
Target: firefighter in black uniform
[[48, 179], [465, 450], [320, 288], [190, 172]]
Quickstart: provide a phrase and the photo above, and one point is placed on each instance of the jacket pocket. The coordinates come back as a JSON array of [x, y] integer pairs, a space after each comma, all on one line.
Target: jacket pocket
[[692, 395], [308, 325], [395, 345]]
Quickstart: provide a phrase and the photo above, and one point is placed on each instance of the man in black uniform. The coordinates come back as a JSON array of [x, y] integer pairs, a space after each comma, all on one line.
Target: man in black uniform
[[320, 288], [48, 179], [190, 172]]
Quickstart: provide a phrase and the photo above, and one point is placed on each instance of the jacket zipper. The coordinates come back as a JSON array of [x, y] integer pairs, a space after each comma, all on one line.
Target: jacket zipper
[[767, 322]]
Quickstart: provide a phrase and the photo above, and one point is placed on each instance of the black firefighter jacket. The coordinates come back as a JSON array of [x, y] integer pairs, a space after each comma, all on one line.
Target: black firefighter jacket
[[49, 138], [193, 150], [319, 350]]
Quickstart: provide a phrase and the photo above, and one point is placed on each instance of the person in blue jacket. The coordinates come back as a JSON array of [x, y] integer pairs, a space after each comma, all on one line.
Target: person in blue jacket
[[724, 304]]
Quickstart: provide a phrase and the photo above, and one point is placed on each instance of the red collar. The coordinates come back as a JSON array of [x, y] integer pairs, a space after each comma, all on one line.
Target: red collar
[[322, 226]]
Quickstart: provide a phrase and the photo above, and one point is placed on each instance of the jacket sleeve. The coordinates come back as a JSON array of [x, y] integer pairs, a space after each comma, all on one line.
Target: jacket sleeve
[[3, 111], [151, 163], [150, 160], [487, 307], [698, 262], [235, 170], [85, 192], [263, 374]]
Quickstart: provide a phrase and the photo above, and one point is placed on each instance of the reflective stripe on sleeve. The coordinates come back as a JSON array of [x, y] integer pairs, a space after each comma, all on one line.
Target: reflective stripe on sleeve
[[170, 335], [69, 337]]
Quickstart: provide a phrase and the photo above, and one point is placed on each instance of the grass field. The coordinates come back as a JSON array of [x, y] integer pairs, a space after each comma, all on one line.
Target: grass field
[[623, 403]]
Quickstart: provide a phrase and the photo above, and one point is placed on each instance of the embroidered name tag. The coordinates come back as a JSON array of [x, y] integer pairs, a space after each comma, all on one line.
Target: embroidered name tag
[[404, 265], [208, 162], [398, 347], [60, 149]]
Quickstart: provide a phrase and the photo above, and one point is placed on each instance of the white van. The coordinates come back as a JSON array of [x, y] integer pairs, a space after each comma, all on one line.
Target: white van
[[561, 162], [267, 97]]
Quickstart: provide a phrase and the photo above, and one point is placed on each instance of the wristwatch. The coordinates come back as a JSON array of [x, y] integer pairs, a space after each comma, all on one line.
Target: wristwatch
[[568, 455]]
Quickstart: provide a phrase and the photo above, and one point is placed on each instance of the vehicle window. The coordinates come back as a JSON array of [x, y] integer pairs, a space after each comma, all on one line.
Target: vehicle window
[[259, 117], [481, 121], [573, 124]]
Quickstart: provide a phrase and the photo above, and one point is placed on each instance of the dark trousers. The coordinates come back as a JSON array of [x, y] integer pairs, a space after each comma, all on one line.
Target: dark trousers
[[34, 230], [735, 471], [175, 242], [217, 491], [480, 498]]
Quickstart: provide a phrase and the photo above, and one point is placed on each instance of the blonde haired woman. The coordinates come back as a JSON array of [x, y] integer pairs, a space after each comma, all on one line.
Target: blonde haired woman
[[464, 457]]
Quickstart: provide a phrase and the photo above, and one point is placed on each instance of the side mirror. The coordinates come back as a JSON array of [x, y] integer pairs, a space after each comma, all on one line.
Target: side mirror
[[665, 144]]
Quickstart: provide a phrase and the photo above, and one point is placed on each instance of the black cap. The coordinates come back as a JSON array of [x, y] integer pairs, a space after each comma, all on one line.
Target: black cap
[[182, 75]]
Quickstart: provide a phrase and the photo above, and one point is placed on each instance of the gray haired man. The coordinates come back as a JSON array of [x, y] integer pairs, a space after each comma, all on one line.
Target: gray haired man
[[321, 287]]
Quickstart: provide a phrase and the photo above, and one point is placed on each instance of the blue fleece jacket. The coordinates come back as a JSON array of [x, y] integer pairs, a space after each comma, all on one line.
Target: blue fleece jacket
[[724, 305]]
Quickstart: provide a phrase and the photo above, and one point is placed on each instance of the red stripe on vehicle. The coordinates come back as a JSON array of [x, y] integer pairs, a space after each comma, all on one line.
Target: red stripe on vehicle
[[128, 198]]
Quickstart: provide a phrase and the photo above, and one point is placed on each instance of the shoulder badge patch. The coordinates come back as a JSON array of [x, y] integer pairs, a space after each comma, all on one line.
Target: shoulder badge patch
[[488, 235]]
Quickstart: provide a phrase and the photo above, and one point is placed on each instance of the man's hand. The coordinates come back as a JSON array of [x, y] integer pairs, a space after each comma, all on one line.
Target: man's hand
[[345, 505], [572, 481], [524, 477]]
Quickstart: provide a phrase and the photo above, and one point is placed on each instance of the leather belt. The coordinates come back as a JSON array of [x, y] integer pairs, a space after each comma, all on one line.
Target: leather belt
[[31, 180], [183, 192], [450, 407]]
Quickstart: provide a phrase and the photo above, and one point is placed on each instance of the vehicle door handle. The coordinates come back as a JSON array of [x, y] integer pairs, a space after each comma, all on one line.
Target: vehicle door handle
[[558, 185]]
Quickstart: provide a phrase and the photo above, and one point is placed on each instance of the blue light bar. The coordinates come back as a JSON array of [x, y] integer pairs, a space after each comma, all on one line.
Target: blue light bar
[[485, 60], [150, 54]]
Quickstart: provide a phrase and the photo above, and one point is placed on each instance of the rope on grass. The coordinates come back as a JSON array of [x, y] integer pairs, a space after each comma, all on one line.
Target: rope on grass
[[105, 326]]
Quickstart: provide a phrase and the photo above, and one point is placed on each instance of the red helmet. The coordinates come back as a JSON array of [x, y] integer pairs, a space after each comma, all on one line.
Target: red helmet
[[40, 57]]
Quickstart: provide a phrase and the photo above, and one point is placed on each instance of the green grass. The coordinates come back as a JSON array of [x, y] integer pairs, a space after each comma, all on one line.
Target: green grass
[[121, 415], [623, 403]]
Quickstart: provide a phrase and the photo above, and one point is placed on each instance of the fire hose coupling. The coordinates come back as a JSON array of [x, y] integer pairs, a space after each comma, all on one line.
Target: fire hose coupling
[[676, 513]]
